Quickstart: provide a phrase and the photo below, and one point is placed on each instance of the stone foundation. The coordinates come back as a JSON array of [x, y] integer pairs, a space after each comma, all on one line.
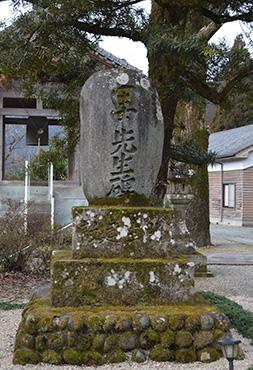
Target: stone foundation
[[111, 334]]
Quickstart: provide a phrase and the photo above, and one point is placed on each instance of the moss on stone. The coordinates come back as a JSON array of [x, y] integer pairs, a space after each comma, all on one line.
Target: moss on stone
[[185, 355], [184, 339], [52, 357], [138, 356], [25, 356], [72, 357], [176, 322], [115, 357], [159, 353], [92, 358], [124, 325], [31, 324], [24, 340], [149, 338], [192, 323], [56, 341], [111, 343], [98, 342], [83, 342], [110, 323], [95, 323], [127, 341], [168, 338], [159, 324], [41, 342], [203, 339], [209, 355], [218, 334]]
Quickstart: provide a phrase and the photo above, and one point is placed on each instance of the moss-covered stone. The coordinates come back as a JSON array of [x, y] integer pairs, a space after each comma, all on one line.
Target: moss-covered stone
[[95, 335], [159, 324], [111, 343], [218, 334], [24, 340], [124, 325], [184, 339], [120, 281], [192, 323], [203, 339], [52, 357], [110, 323], [41, 343], [98, 342], [83, 342], [115, 357], [185, 355], [141, 323], [149, 338], [72, 357], [159, 353], [97, 232], [92, 358], [209, 355], [56, 341], [176, 322], [138, 356], [95, 323], [168, 338], [25, 356], [31, 324], [127, 341]]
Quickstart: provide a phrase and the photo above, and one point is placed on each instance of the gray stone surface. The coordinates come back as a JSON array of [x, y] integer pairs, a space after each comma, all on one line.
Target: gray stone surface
[[121, 134]]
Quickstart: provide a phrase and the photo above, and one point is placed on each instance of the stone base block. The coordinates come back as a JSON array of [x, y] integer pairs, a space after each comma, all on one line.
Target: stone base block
[[77, 282], [129, 232], [108, 334]]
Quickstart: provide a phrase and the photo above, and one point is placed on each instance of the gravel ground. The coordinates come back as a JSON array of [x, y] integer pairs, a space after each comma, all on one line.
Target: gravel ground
[[232, 281]]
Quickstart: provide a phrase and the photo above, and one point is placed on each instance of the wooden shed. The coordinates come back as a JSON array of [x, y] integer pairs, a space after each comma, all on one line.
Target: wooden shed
[[231, 177]]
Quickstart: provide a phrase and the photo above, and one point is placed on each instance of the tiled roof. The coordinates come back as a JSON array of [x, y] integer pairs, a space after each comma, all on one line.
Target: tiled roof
[[115, 61], [230, 142]]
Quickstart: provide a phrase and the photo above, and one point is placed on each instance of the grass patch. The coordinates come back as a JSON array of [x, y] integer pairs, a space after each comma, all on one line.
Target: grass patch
[[241, 320], [5, 306]]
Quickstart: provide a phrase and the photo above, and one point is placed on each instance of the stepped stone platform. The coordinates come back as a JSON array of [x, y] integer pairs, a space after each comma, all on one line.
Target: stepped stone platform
[[108, 309]]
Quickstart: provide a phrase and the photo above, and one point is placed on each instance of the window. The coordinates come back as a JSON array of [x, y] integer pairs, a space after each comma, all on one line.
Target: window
[[229, 195]]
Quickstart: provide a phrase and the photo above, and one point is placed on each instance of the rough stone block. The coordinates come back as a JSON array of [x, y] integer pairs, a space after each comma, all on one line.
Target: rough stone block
[[77, 282], [132, 232]]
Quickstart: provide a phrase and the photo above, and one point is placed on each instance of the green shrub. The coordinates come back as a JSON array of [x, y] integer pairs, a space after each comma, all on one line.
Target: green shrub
[[6, 306], [241, 320]]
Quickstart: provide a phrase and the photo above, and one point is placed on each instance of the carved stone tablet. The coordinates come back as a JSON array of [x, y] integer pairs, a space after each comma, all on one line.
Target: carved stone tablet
[[121, 134]]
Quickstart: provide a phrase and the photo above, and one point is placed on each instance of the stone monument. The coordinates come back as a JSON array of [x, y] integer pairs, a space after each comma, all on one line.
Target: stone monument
[[125, 289]]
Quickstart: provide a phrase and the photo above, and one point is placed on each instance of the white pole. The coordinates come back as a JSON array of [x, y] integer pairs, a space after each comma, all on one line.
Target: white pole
[[51, 192], [26, 195]]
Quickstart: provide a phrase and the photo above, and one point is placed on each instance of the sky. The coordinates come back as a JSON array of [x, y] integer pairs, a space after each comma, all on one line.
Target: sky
[[135, 52]]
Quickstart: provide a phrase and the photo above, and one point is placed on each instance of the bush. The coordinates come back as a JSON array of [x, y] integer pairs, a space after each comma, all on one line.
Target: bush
[[27, 251], [241, 320]]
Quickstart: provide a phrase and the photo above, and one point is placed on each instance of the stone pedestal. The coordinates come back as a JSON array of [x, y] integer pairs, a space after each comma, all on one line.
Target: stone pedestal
[[122, 292]]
